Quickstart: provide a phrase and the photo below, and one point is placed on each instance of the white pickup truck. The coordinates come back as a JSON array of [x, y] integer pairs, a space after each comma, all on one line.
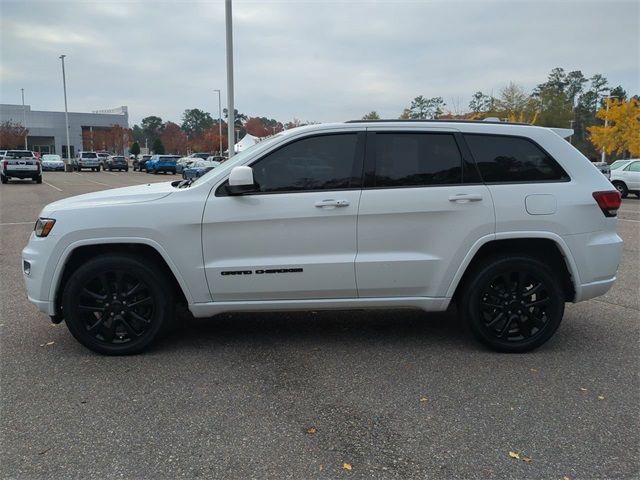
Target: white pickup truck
[[20, 164]]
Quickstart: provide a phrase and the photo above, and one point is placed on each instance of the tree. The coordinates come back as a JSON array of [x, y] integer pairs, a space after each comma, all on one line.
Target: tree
[[255, 127], [621, 135], [405, 115], [158, 148], [372, 115], [556, 109], [151, 128], [12, 135], [516, 105], [135, 149], [137, 134], [481, 103], [239, 118], [196, 121], [426, 108], [173, 139]]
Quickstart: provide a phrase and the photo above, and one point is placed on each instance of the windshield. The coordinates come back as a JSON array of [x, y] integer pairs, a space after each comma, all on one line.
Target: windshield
[[51, 158], [18, 154], [240, 157], [619, 164]]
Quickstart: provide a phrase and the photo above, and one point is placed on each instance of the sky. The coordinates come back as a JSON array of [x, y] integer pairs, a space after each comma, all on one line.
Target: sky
[[312, 60]]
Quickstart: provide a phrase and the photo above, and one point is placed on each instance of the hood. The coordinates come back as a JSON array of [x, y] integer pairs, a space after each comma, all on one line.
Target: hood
[[116, 196]]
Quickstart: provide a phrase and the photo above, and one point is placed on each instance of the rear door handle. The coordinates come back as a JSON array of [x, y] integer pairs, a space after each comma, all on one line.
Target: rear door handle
[[332, 203], [465, 197]]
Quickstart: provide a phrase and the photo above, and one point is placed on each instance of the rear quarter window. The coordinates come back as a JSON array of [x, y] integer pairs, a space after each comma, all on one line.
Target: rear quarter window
[[505, 159]]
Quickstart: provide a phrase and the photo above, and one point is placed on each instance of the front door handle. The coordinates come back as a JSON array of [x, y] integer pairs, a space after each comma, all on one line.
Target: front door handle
[[465, 197], [332, 203]]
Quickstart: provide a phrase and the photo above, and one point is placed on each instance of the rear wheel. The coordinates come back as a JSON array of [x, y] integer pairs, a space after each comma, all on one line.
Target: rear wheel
[[4, 179], [622, 188], [116, 304], [513, 304], [38, 179]]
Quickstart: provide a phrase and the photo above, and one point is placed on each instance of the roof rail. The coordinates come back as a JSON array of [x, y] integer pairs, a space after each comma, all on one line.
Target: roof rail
[[438, 120]]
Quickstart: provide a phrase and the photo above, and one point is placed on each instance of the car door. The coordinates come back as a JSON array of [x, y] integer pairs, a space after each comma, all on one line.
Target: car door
[[422, 208], [631, 176], [294, 238]]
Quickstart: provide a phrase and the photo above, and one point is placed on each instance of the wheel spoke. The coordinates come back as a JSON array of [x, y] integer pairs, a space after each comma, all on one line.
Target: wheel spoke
[[505, 329], [133, 290], [495, 320], [141, 302], [118, 285], [89, 308], [537, 303], [139, 317], [94, 295], [105, 283], [130, 330], [534, 290]]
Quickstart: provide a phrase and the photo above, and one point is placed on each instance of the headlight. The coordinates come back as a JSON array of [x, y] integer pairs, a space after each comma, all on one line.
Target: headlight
[[43, 226]]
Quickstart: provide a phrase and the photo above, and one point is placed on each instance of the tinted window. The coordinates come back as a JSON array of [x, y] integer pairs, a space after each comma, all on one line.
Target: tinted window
[[318, 163], [405, 159], [512, 159], [19, 154], [89, 155], [634, 167]]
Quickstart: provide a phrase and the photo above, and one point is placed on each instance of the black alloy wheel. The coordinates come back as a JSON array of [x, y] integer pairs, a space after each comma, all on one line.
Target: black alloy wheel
[[514, 304], [116, 305]]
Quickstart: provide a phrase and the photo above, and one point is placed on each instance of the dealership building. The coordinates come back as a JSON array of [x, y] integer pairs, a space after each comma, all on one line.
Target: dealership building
[[47, 129]]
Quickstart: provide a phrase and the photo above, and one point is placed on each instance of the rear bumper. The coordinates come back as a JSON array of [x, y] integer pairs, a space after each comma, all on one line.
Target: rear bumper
[[21, 173], [53, 168]]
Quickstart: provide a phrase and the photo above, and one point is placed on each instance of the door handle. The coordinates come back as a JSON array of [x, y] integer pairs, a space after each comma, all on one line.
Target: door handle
[[465, 197], [332, 203]]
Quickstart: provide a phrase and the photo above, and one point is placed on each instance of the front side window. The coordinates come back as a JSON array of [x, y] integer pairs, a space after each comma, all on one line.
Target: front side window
[[504, 159], [415, 159], [326, 162], [634, 167]]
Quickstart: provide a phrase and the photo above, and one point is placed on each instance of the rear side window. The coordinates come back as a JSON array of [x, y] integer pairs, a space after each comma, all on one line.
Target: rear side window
[[415, 159], [503, 159], [325, 162], [634, 167]]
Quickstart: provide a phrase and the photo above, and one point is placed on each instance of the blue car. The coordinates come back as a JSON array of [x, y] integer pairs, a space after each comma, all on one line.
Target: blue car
[[161, 163], [199, 168]]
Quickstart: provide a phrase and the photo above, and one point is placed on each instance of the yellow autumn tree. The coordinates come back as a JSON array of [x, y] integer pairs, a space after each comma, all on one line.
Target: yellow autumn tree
[[622, 134]]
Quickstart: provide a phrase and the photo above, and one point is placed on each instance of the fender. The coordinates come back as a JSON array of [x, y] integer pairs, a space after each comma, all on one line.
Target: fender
[[57, 275], [557, 239]]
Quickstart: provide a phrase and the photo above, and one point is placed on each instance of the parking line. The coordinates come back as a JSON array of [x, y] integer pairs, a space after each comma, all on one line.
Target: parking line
[[627, 220], [93, 181], [17, 223], [52, 186], [110, 173]]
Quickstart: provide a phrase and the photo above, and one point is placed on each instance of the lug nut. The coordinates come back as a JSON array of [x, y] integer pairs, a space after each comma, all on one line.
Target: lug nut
[[111, 314], [122, 312]]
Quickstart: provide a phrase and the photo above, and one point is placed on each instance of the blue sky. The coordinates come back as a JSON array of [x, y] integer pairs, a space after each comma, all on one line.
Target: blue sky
[[313, 60]]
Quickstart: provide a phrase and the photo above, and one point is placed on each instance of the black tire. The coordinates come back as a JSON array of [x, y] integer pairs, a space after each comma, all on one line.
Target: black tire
[[4, 179], [126, 169], [111, 169], [96, 294], [38, 179], [622, 188], [513, 304]]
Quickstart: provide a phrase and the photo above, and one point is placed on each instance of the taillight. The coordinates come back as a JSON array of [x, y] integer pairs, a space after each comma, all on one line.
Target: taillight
[[609, 202]]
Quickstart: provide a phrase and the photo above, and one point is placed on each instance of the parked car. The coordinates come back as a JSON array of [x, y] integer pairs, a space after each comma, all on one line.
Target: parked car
[[102, 156], [620, 163], [604, 168], [139, 163], [626, 178], [52, 162], [199, 168], [185, 162], [89, 160], [509, 221], [161, 163], [20, 164], [116, 162]]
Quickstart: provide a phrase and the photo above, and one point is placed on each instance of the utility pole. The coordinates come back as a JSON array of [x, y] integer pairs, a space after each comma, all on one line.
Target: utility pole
[[231, 121], [24, 121], [66, 113], [219, 119]]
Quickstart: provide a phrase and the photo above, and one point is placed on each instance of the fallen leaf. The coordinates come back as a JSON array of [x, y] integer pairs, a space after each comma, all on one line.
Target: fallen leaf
[[565, 478], [50, 343], [312, 430], [526, 459], [583, 389], [514, 455], [347, 466], [423, 399], [534, 369], [600, 397]]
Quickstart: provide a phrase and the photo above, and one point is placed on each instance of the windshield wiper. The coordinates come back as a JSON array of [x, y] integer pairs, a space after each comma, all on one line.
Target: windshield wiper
[[185, 183]]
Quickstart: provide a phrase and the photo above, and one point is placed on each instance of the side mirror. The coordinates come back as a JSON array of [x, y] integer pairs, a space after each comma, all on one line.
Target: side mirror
[[241, 181]]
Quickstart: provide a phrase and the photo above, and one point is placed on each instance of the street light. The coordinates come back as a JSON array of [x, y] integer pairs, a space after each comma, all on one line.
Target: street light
[[231, 117], [603, 158], [24, 121], [219, 119], [66, 113]]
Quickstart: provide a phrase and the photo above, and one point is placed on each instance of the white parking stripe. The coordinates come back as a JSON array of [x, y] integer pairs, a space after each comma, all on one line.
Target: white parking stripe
[[93, 181], [52, 186], [17, 223], [627, 220], [110, 173]]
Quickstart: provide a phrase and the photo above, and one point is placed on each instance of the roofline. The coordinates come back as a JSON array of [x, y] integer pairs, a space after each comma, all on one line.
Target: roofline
[[438, 120]]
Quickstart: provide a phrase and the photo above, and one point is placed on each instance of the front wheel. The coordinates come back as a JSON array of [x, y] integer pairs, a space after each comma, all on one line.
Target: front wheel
[[38, 179], [116, 304], [513, 304], [622, 188]]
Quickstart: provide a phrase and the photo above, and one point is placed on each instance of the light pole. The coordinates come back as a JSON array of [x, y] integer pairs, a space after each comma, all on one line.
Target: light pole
[[66, 113], [24, 121], [219, 119], [603, 158], [231, 121]]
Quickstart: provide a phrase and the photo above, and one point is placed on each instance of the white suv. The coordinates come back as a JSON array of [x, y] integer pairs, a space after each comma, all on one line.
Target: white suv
[[626, 178], [509, 221]]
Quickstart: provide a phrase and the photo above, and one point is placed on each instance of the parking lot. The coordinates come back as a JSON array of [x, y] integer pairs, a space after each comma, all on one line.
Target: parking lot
[[382, 394]]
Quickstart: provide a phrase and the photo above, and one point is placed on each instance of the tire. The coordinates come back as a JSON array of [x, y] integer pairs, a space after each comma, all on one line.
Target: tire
[[513, 304], [4, 179], [622, 188], [155, 172], [126, 169], [38, 179], [110, 169], [98, 169], [96, 294]]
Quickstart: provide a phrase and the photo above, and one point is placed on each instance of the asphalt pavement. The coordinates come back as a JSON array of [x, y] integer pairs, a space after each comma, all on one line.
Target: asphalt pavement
[[365, 394]]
